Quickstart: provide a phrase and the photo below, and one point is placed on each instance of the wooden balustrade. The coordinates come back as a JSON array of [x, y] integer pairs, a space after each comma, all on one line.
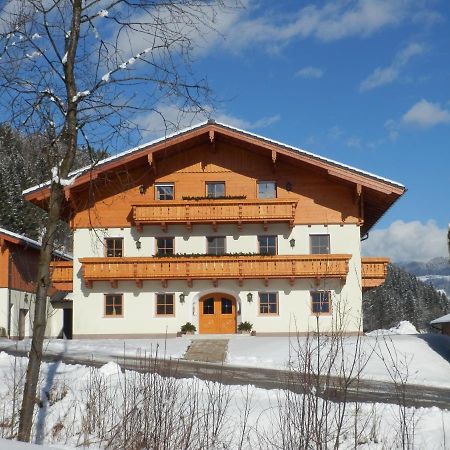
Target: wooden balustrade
[[214, 268], [215, 212], [374, 271], [62, 275]]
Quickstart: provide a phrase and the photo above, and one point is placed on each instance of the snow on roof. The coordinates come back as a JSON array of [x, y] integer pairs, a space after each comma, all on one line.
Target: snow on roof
[[443, 319], [77, 172], [31, 242]]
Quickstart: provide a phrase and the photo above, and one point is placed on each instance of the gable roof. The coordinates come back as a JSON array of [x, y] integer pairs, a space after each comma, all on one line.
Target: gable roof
[[20, 239], [390, 189]]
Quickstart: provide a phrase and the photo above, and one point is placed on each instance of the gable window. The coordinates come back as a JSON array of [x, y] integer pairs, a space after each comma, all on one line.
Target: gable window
[[268, 303], [267, 245], [321, 302], [164, 191], [165, 246], [113, 305], [267, 189], [114, 247], [165, 305], [319, 244], [216, 245], [215, 189]]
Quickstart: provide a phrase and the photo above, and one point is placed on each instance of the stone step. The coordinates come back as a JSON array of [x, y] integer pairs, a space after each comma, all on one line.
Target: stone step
[[207, 350]]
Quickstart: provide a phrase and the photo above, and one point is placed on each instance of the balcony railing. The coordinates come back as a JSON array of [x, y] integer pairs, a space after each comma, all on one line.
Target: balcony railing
[[215, 212], [62, 275], [214, 268], [374, 271]]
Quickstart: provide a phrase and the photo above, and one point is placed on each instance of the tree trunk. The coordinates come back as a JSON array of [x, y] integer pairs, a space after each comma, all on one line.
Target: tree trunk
[[40, 316]]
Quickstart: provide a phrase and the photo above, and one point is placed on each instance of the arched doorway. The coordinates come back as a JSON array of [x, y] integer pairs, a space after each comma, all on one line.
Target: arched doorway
[[217, 314]]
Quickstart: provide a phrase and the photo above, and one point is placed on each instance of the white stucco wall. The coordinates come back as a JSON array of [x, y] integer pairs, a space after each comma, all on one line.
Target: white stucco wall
[[4, 309], [21, 300], [139, 316]]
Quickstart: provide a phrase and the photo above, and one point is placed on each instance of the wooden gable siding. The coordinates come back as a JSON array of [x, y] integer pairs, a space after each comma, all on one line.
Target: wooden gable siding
[[108, 200], [20, 273]]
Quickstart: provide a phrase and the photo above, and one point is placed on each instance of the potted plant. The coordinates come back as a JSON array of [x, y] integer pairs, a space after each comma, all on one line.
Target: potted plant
[[245, 327], [188, 328]]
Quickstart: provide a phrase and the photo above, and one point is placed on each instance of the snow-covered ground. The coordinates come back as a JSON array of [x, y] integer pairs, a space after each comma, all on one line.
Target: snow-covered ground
[[65, 418], [422, 358]]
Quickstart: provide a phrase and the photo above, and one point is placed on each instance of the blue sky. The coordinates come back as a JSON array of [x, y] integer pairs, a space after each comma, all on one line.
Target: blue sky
[[363, 82]]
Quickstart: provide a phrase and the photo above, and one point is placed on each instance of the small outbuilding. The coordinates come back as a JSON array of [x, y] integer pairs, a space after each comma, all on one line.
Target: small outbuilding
[[442, 324]]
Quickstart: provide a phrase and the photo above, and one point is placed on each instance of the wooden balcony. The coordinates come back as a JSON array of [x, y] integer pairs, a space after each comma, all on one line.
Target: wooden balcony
[[215, 212], [214, 268], [374, 271], [62, 275]]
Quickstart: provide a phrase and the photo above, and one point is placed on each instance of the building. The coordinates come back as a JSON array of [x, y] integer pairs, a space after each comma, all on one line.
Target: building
[[19, 258], [442, 324], [216, 226]]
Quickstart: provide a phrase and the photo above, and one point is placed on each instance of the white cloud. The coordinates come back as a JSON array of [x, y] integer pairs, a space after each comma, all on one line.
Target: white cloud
[[426, 114], [310, 72], [331, 21], [169, 118], [407, 241], [385, 75]]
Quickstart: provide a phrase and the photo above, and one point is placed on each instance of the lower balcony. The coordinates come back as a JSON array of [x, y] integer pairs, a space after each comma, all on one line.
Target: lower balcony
[[62, 275], [214, 268], [374, 271]]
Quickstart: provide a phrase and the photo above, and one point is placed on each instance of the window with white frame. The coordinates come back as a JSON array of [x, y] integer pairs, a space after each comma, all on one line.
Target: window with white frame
[[267, 245], [267, 189], [165, 304], [215, 245], [321, 302], [164, 191], [268, 303], [319, 244]]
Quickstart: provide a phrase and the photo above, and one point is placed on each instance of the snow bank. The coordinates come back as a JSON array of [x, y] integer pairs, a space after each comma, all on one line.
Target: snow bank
[[403, 327]]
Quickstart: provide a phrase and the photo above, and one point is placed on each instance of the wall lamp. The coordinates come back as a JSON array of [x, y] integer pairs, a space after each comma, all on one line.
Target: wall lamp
[[292, 242], [289, 186], [182, 297], [138, 244], [249, 297], [142, 189]]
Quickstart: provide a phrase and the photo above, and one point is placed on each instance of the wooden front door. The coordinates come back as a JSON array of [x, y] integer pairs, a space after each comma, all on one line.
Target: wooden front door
[[217, 314]]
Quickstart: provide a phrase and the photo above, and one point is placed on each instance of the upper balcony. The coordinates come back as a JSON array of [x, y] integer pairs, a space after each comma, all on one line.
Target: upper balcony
[[214, 268], [374, 271], [215, 212], [62, 275]]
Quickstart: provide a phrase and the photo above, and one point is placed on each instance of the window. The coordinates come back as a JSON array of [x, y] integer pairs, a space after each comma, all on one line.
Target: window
[[267, 245], [216, 245], [165, 304], [215, 189], [164, 246], [113, 305], [268, 303], [320, 302], [164, 191], [267, 189], [208, 306], [319, 244], [226, 306], [114, 247]]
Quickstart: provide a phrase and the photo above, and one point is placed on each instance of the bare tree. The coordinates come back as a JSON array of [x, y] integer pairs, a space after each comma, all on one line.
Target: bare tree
[[78, 72]]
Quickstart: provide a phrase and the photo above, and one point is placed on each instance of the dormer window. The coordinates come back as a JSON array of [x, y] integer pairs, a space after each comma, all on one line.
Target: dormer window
[[164, 191], [215, 189], [267, 189]]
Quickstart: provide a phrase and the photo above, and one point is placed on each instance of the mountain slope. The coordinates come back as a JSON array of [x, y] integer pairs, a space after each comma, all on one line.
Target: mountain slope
[[402, 297]]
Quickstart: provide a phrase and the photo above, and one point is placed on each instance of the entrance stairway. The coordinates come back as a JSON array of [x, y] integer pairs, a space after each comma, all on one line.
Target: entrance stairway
[[207, 350]]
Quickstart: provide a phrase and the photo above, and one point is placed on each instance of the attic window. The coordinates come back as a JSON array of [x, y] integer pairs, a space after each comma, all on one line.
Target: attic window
[[164, 191], [267, 189]]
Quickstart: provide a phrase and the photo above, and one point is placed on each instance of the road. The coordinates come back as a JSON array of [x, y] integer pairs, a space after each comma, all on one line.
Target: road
[[336, 388]]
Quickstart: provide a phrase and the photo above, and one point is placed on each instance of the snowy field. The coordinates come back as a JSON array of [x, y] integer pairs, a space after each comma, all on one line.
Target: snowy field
[[421, 358], [90, 406]]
